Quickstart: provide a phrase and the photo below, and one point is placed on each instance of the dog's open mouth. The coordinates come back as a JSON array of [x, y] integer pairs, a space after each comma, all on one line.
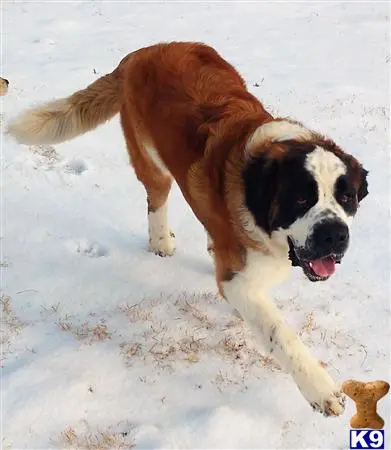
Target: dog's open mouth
[[317, 269], [320, 269]]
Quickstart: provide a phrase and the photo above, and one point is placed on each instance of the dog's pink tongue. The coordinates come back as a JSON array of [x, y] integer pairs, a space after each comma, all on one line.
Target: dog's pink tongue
[[323, 267]]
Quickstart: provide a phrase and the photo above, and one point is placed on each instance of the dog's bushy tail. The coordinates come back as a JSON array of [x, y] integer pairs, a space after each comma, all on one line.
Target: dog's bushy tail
[[66, 118]]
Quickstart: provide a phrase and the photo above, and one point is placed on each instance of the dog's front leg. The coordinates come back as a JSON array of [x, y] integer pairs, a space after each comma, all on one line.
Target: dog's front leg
[[246, 295]]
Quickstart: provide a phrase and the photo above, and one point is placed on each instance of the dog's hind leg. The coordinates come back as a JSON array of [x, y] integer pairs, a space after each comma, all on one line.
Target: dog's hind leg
[[210, 245], [157, 182]]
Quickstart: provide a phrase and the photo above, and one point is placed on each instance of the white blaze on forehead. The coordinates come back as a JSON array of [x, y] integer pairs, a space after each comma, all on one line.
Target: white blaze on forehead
[[326, 168]]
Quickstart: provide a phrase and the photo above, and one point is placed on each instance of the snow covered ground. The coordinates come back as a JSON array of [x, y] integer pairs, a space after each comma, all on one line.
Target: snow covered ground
[[106, 345]]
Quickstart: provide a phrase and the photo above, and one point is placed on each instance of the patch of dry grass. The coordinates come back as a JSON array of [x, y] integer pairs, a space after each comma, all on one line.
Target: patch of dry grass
[[86, 331], [11, 325], [224, 379], [189, 307], [309, 324], [130, 350], [163, 350], [187, 348], [140, 312], [238, 350], [197, 335], [106, 439], [52, 309]]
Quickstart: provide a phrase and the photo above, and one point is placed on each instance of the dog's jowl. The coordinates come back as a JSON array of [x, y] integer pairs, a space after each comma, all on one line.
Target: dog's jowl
[[270, 192]]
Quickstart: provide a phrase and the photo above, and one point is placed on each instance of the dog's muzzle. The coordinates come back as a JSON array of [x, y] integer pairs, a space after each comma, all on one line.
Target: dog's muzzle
[[324, 248]]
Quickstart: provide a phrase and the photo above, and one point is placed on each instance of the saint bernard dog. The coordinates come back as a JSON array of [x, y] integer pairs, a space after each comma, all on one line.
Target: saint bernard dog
[[270, 193]]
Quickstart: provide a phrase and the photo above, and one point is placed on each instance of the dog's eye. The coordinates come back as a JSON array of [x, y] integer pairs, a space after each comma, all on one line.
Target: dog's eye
[[347, 197], [301, 201]]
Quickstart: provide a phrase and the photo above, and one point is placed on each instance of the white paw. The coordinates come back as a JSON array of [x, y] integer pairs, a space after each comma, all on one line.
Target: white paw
[[163, 245], [319, 389]]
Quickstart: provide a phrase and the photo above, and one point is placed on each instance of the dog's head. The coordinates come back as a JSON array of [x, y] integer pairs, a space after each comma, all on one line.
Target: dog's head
[[304, 188]]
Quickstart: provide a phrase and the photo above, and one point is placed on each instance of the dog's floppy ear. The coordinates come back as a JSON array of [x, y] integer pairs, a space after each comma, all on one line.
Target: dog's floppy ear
[[362, 191], [358, 175], [260, 185]]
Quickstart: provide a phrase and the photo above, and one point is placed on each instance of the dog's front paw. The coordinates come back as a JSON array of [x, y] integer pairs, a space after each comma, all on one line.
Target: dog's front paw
[[331, 405], [320, 390], [163, 245]]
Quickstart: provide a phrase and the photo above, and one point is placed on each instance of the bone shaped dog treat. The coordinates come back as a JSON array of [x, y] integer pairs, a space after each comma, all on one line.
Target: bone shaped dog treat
[[366, 396]]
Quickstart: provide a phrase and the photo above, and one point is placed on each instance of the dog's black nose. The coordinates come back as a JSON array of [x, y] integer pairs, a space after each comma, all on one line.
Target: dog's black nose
[[6, 81], [331, 236]]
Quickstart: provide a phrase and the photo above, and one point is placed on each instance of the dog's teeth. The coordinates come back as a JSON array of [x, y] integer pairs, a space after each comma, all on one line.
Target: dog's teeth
[[310, 264]]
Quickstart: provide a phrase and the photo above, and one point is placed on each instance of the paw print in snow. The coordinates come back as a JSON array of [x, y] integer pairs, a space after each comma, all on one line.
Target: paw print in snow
[[86, 248], [75, 167]]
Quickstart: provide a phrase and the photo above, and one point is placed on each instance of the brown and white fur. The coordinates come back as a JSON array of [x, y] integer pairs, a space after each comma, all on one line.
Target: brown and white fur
[[186, 115]]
